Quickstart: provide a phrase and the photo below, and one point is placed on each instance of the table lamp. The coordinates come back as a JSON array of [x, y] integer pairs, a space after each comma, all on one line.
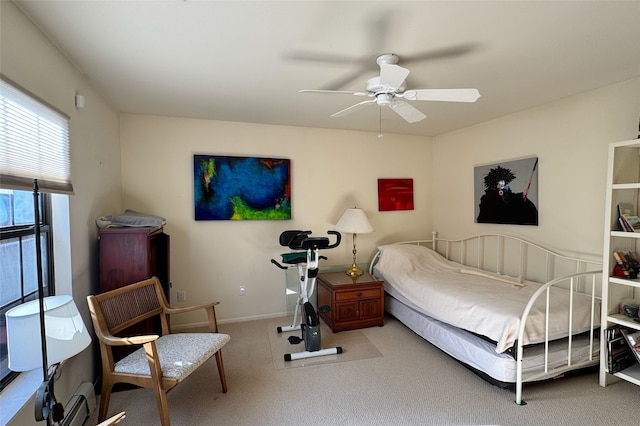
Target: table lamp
[[354, 221]]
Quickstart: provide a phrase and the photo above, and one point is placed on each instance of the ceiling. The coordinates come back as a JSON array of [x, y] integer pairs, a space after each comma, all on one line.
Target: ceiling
[[245, 61]]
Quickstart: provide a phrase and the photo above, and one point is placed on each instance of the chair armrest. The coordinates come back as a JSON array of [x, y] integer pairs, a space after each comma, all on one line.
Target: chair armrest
[[209, 308], [170, 311], [128, 341]]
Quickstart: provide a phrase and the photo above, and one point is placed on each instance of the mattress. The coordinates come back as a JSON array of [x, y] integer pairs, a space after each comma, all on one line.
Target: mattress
[[480, 354], [478, 302]]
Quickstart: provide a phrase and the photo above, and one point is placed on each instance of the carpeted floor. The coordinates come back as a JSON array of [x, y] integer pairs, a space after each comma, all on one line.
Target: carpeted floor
[[411, 383]]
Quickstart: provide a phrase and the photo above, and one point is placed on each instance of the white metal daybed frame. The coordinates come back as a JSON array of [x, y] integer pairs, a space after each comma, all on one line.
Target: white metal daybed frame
[[575, 274]]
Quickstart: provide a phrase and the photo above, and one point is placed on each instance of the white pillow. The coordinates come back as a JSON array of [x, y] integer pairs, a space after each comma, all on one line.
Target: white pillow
[[403, 258]]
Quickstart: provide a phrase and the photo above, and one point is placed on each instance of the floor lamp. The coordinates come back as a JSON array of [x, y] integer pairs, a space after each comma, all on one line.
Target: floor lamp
[[62, 334], [354, 221]]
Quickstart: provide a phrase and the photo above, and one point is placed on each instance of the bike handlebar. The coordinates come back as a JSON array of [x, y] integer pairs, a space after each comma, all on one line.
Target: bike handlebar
[[338, 239]]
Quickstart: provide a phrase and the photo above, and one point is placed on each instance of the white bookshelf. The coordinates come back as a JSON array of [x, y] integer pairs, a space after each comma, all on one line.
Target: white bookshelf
[[623, 186]]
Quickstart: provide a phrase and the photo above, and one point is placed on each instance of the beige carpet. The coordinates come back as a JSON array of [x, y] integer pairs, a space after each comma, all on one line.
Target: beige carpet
[[413, 383], [355, 345]]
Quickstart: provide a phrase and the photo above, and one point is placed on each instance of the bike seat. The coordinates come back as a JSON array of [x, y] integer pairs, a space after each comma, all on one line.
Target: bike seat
[[295, 257], [314, 243]]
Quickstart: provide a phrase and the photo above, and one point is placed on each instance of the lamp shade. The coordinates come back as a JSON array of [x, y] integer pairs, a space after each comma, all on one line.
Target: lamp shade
[[65, 330], [354, 221]]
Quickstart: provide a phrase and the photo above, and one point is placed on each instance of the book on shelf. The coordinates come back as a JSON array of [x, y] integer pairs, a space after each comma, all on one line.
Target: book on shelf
[[629, 222], [633, 341], [627, 265], [632, 261], [619, 355], [632, 223], [624, 225], [626, 209]]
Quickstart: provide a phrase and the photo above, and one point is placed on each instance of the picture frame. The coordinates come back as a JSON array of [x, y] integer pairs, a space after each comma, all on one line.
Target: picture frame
[[241, 188], [507, 192], [395, 194]]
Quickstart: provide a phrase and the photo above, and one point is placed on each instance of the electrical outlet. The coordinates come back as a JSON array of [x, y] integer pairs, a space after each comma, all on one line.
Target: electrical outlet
[[243, 290], [182, 296]]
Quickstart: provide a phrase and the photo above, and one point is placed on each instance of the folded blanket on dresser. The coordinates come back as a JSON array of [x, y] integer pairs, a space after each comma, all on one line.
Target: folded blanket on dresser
[[131, 218]]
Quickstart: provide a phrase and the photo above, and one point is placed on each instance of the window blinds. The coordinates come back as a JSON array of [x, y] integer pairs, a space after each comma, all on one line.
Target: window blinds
[[34, 143]]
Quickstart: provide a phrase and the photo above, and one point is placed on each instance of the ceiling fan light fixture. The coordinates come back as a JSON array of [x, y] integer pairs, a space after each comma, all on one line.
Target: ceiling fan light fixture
[[384, 99]]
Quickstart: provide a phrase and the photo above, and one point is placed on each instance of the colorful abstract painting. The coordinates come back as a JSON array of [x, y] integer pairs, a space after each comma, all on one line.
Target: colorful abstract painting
[[241, 188], [395, 194]]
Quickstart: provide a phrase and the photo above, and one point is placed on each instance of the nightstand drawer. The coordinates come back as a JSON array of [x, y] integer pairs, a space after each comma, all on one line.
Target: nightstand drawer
[[358, 294]]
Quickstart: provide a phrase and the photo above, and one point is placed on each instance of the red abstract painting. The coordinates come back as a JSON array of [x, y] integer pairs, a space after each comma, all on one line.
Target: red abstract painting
[[395, 194]]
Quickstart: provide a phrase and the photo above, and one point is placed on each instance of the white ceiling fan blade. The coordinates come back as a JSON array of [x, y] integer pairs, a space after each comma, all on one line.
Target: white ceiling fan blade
[[339, 92], [407, 111], [353, 108], [392, 75], [446, 95]]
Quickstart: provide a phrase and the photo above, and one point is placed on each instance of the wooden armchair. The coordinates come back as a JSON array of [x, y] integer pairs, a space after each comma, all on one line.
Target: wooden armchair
[[161, 362]]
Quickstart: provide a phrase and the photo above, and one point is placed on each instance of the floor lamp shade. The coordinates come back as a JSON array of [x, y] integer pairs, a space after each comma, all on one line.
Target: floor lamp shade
[[66, 334]]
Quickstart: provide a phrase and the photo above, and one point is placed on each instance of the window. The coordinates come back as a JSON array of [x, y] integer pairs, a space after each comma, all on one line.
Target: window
[[34, 147], [18, 273]]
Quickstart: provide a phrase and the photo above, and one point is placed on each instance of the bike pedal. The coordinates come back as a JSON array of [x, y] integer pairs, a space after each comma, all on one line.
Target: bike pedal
[[294, 340], [324, 309]]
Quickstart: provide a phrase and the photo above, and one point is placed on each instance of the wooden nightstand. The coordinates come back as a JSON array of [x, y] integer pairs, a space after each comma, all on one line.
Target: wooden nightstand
[[353, 305]]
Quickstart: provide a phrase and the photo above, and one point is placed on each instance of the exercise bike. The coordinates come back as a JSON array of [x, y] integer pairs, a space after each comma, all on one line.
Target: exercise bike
[[305, 258]]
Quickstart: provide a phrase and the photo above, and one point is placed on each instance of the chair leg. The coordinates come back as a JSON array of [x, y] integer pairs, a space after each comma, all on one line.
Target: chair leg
[[163, 406], [156, 379], [223, 378], [105, 397]]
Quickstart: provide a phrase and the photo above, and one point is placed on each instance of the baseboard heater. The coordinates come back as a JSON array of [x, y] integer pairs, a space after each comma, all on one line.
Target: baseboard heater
[[80, 407]]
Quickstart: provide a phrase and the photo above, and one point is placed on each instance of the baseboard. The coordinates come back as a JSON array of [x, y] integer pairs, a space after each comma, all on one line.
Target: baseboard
[[228, 321]]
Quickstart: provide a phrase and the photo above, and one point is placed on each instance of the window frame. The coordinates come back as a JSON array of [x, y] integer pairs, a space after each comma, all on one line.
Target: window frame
[[46, 235], [34, 146]]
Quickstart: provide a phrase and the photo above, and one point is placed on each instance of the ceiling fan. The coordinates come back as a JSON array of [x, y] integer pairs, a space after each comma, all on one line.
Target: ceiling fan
[[389, 89]]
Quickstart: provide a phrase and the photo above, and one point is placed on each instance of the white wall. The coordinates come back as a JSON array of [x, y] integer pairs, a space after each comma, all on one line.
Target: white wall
[[31, 61], [570, 138], [331, 171]]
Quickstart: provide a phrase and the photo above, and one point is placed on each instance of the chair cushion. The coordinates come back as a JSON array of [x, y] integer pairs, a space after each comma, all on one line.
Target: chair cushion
[[180, 354]]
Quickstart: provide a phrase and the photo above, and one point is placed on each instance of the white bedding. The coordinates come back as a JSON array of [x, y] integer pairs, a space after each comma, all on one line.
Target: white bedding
[[479, 304]]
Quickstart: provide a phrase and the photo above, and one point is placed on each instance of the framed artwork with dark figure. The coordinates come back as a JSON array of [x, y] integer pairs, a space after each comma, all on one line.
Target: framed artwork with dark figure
[[241, 188], [507, 192]]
